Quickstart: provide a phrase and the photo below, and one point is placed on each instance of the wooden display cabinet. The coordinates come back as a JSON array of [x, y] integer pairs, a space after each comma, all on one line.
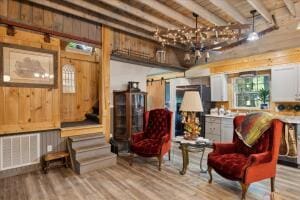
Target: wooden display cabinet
[[129, 109]]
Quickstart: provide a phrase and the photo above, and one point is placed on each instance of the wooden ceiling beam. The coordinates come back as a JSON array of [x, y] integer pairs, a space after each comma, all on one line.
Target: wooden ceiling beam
[[74, 12], [167, 11], [259, 6], [138, 13], [108, 13], [201, 11], [230, 10], [291, 7]]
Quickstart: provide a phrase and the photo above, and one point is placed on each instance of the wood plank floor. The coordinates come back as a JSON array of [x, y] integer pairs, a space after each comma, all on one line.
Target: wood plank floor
[[144, 181]]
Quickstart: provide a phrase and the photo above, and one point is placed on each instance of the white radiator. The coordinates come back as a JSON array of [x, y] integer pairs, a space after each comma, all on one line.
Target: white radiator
[[18, 151]]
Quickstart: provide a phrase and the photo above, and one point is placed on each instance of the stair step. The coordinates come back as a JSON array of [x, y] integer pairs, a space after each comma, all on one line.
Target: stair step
[[92, 151], [90, 164], [87, 137]]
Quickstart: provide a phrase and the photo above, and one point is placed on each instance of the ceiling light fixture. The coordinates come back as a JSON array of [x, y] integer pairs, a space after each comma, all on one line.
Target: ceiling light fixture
[[199, 40], [253, 35]]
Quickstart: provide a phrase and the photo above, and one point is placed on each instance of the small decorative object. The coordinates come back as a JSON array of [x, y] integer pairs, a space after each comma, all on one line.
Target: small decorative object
[[27, 66], [264, 97], [133, 86], [222, 110], [297, 108], [281, 107], [191, 104], [214, 111]]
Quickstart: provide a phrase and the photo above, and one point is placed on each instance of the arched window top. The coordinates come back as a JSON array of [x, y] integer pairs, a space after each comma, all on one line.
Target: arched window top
[[68, 78]]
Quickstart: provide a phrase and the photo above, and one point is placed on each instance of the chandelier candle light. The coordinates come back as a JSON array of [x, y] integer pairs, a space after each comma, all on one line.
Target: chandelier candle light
[[191, 104], [200, 40]]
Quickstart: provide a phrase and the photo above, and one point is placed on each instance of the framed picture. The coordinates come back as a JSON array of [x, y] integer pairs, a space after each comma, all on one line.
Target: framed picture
[[22, 66]]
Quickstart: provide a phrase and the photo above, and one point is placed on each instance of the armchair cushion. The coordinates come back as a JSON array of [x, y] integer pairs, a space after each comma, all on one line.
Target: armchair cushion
[[136, 137], [157, 124], [146, 147], [230, 166]]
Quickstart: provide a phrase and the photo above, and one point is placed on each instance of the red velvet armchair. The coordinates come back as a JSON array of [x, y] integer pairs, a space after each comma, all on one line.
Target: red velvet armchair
[[238, 162], [155, 140]]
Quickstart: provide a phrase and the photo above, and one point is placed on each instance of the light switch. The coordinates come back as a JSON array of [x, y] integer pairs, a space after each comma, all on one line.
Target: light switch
[[49, 148]]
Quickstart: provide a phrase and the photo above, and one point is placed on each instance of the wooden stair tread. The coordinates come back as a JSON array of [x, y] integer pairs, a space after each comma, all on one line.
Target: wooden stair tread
[[87, 161], [56, 155], [92, 147], [86, 137]]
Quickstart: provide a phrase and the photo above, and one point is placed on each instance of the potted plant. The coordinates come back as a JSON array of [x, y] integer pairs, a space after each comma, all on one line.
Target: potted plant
[[264, 95]]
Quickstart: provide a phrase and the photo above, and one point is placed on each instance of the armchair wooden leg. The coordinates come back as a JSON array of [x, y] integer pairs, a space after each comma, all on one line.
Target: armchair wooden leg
[[169, 154], [244, 190], [209, 168], [131, 159], [159, 162], [272, 184]]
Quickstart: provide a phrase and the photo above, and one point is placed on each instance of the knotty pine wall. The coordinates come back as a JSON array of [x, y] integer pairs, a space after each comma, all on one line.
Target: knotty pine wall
[[74, 106], [31, 14], [29, 109]]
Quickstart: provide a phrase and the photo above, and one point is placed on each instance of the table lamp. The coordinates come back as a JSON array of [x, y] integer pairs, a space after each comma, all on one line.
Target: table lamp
[[191, 104]]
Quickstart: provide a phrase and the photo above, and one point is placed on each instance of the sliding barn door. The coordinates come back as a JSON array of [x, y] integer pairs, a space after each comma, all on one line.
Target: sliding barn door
[[156, 94]]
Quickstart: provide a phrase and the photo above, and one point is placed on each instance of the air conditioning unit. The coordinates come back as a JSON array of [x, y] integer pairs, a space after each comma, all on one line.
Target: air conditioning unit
[[18, 151]]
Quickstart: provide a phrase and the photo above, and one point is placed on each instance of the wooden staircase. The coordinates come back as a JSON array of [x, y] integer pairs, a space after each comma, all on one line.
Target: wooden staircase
[[90, 152]]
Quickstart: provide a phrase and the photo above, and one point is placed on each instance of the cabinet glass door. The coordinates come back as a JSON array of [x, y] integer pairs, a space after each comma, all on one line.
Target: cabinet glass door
[[137, 110], [120, 116]]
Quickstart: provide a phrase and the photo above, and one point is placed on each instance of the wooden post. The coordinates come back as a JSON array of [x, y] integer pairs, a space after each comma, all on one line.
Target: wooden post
[[104, 85]]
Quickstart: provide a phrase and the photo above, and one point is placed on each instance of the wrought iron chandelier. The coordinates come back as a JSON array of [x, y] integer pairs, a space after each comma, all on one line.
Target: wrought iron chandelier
[[199, 41]]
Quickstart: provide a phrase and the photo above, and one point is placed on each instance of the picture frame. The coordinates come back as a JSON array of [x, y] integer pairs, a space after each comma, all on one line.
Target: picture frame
[[23, 66]]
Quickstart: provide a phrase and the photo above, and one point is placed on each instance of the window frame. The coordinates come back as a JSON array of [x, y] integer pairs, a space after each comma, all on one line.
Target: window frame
[[235, 93], [71, 77]]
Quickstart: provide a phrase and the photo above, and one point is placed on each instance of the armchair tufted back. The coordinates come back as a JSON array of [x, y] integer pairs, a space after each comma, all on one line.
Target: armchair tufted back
[[158, 123], [264, 143]]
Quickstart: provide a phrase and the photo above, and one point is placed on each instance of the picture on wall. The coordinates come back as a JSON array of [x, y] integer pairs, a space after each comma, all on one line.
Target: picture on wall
[[27, 66]]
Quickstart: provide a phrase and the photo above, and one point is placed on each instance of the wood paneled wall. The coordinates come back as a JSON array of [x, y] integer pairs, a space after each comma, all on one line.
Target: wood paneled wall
[[74, 106], [31, 14], [29, 109]]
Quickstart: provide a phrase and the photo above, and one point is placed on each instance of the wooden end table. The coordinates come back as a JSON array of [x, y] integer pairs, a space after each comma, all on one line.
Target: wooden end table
[[55, 156], [187, 146]]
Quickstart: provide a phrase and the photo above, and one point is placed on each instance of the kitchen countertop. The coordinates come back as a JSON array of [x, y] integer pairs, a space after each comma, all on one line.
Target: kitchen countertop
[[221, 116], [283, 118]]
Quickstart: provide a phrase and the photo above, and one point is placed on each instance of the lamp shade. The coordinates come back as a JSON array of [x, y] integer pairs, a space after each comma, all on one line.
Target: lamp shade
[[191, 102]]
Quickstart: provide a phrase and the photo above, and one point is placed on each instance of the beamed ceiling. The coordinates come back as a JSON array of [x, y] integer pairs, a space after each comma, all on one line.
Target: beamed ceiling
[[142, 17]]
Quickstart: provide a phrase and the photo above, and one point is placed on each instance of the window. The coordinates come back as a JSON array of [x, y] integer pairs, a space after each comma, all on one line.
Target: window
[[247, 89], [79, 48], [68, 78]]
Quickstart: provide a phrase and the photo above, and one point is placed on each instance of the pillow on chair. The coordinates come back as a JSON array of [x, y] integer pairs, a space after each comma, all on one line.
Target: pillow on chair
[[253, 127]]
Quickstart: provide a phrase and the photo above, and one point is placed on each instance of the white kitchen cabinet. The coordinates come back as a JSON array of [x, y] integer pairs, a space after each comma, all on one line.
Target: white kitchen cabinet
[[218, 129], [285, 83], [218, 85]]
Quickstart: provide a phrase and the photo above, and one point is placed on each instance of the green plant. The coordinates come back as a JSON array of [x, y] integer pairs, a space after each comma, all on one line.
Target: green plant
[[264, 95]]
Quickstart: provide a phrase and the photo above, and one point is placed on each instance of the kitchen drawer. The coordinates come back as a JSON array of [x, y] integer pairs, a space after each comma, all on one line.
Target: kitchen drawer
[[213, 137], [212, 128], [213, 119], [227, 133], [227, 121]]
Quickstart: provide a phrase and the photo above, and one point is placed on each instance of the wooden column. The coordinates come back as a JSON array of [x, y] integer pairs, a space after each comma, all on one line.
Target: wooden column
[[104, 93]]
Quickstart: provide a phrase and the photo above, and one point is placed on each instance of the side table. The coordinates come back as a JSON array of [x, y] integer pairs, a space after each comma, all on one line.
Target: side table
[[187, 146]]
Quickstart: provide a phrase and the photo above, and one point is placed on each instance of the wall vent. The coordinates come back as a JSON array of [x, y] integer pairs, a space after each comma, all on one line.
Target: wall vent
[[18, 151]]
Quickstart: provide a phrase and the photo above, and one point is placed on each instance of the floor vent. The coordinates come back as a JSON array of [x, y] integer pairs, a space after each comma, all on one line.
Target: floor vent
[[18, 151]]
